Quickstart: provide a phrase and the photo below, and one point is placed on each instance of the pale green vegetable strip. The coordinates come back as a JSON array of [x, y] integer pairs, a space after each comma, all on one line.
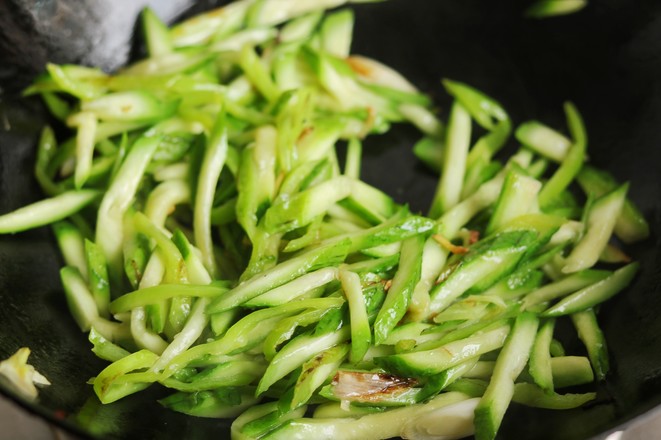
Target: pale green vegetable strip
[[302, 208], [436, 360], [104, 348], [156, 33], [144, 337], [294, 289], [86, 124], [247, 262], [79, 299], [354, 154], [163, 199], [361, 336], [481, 107], [593, 339], [573, 161], [540, 357], [454, 219], [280, 274], [422, 118], [72, 245], [387, 424], [258, 74], [118, 198], [337, 33], [400, 292], [564, 286], [454, 161], [46, 211], [97, 276], [631, 225], [212, 165], [147, 294], [296, 352], [543, 140], [596, 293], [433, 260], [104, 387], [220, 21], [518, 197], [316, 371], [300, 28], [197, 322], [601, 221], [511, 361]]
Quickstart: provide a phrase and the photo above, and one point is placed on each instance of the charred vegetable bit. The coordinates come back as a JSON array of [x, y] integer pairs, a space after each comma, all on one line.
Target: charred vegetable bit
[[368, 387], [216, 243]]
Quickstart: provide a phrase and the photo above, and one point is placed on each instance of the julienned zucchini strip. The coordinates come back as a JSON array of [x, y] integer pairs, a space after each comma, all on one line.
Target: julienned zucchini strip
[[216, 243]]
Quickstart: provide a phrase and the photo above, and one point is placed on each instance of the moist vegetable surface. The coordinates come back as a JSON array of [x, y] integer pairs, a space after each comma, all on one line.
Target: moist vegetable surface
[[220, 243]]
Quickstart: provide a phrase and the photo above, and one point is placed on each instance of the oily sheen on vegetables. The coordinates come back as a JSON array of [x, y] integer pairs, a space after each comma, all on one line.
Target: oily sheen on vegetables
[[216, 246]]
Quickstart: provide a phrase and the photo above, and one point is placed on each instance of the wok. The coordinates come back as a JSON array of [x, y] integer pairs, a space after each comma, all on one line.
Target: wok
[[606, 59]]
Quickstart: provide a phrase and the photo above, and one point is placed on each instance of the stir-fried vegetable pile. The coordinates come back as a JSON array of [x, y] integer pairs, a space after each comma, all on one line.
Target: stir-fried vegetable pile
[[215, 245]]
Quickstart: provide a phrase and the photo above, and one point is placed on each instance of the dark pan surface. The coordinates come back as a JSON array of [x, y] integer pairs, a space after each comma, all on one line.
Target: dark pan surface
[[606, 59]]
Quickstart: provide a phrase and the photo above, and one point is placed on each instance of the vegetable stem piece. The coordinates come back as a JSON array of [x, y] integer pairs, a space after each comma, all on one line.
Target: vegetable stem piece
[[361, 336], [454, 161], [46, 211], [511, 361], [212, 165]]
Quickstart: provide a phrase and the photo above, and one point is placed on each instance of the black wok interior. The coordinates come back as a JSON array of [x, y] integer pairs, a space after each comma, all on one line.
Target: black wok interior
[[606, 59]]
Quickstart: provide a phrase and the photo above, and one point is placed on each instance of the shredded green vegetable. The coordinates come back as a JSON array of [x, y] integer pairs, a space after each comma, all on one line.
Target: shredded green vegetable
[[215, 245]]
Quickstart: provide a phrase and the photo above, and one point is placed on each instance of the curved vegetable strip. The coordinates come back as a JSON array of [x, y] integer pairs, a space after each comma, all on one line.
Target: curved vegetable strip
[[320, 257], [602, 217], [361, 336], [249, 331], [288, 219], [79, 299], [46, 150], [403, 283], [540, 357], [164, 198], [104, 387], [316, 371], [212, 165], [143, 336], [86, 124], [117, 199], [296, 352], [152, 294], [285, 329], [572, 163], [195, 325], [97, 275]]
